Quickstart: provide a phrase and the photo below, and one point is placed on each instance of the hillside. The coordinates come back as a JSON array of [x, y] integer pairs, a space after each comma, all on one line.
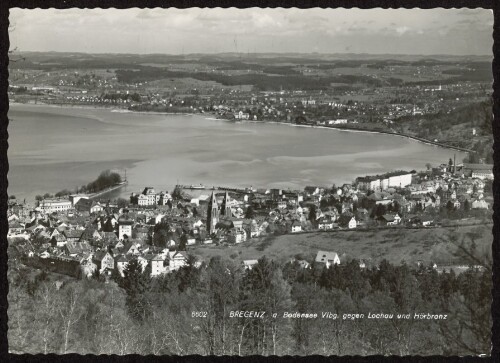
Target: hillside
[[395, 245], [456, 128]]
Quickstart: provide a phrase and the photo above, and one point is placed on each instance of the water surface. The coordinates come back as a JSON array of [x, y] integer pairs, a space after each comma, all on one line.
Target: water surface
[[52, 148]]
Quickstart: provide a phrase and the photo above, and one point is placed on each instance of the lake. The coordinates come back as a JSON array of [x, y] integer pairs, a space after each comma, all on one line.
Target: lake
[[52, 148]]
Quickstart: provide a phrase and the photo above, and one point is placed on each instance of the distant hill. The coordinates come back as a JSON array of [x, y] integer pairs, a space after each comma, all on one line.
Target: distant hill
[[455, 128]]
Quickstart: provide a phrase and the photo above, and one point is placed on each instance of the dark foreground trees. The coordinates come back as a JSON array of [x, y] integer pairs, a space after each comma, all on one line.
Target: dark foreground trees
[[195, 311]]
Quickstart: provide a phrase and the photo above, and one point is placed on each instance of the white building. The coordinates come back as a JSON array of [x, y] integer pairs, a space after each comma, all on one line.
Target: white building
[[176, 260], [328, 258], [158, 266], [296, 227], [124, 227], [249, 264], [480, 204], [74, 198], [398, 179], [55, 205]]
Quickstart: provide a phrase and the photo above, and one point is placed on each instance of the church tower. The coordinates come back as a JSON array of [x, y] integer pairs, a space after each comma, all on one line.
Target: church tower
[[225, 208], [212, 214]]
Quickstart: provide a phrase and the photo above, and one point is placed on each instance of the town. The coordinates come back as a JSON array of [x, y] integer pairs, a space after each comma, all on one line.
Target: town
[[81, 236], [251, 181], [403, 96]]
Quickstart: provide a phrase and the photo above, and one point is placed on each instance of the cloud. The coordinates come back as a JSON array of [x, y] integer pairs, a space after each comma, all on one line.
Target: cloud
[[281, 30]]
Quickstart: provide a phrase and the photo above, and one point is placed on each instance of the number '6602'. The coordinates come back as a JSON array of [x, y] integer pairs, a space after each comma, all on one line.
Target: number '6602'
[[199, 314]]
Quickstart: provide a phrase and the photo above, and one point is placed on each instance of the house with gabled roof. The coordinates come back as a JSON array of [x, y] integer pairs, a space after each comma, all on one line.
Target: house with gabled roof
[[325, 223], [249, 264], [103, 260], [76, 248], [295, 227], [347, 221], [176, 259], [130, 248], [73, 235], [328, 258], [58, 240], [121, 263], [15, 228], [390, 219], [158, 265], [480, 204], [109, 237]]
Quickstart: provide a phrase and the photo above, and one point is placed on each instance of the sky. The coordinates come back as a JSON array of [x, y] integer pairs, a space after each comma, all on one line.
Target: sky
[[254, 30]]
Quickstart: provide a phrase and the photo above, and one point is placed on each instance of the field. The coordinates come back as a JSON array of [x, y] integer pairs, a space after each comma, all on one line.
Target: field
[[395, 245]]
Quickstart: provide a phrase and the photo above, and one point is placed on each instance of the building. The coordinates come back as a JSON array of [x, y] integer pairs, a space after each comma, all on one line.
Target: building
[[325, 223], [328, 258], [74, 198], [481, 171], [125, 227], [148, 197], [396, 179], [74, 249], [55, 205], [225, 207], [176, 260], [73, 235], [348, 221], [87, 205], [390, 219], [480, 204], [121, 263], [296, 227], [312, 190], [249, 264], [212, 214], [151, 195], [59, 240], [164, 198], [103, 260], [158, 266]]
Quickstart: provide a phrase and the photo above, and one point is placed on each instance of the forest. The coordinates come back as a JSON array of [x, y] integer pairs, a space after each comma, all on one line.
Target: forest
[[455, 128], [105, 180], [288, 80], [188, 311]]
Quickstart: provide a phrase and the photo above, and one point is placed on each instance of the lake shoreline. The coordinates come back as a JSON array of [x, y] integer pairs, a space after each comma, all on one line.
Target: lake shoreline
[[353, 129], [341, 128], [163, 150]]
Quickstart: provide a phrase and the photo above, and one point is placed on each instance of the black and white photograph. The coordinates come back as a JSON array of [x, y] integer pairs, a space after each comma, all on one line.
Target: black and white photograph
[[256, 181]]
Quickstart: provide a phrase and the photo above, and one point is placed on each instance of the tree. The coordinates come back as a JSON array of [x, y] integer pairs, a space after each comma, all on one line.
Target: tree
[[449, 206], [312, 214], [136, 284], [70, 311], [183, 242], [122, 203], [219, 289], [63, 193], [381, 210], [250, 213], [265, 289], [428, 166], [467, 205]]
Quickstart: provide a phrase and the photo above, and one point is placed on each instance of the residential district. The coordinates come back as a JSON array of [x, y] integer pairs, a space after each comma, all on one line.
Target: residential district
[[80, 236]]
